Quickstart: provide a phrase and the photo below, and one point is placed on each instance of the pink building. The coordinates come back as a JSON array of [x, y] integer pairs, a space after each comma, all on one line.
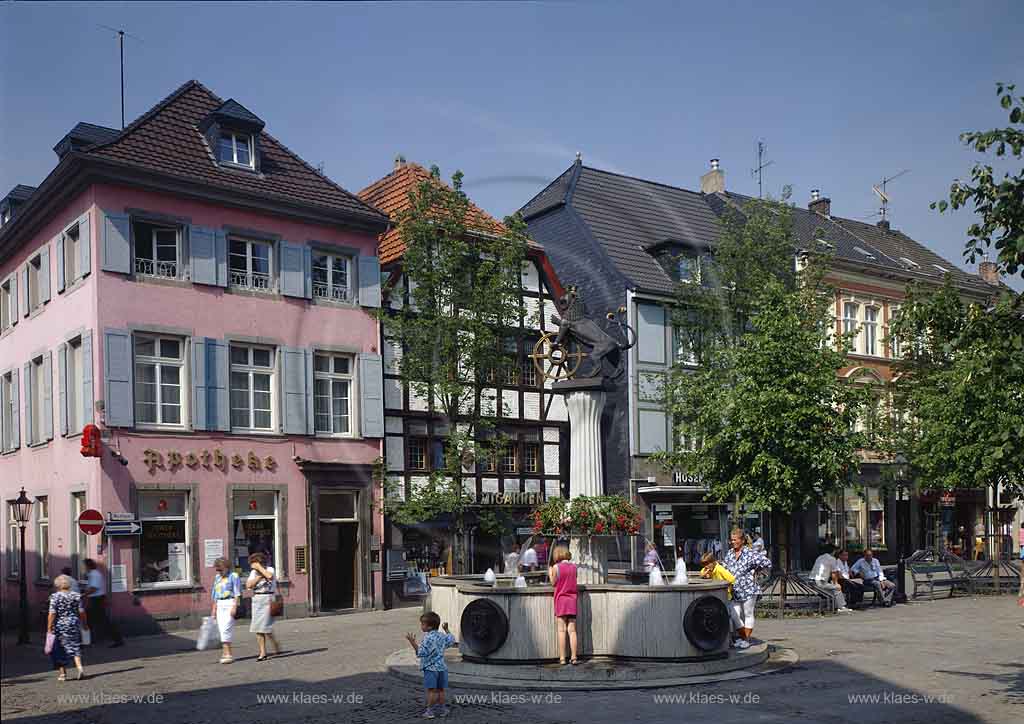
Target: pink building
[[206, 298]]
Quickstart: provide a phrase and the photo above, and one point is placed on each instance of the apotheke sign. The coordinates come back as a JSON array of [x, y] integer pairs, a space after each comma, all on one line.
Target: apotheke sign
[[209, 459]]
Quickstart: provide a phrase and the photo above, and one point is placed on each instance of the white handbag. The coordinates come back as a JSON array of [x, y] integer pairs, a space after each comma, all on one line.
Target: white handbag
[[86, 636]]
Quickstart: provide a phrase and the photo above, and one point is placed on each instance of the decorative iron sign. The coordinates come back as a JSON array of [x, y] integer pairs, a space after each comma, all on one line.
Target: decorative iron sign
[[706, 623]]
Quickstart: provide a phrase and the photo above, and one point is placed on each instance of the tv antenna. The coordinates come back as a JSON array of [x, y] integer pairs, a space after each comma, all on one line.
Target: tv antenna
[[121, 33], [881, 193], [758, 172]]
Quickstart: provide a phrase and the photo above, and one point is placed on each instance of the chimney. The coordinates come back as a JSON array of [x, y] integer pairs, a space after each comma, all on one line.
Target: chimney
[[989, 271], [399, 161], [713, 182], [820, 204], [883, 225]]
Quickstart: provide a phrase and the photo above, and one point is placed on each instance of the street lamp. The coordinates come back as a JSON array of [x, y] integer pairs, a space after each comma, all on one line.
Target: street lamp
[[22, 511], [902, 499]]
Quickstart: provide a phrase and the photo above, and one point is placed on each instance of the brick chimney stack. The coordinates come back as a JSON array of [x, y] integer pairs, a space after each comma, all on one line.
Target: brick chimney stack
[[399, 161], [713, 182], [820, 204], [989, 271]]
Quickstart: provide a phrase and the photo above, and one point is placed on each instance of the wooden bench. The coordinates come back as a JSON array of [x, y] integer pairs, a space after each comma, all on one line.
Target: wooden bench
[[927, 577]]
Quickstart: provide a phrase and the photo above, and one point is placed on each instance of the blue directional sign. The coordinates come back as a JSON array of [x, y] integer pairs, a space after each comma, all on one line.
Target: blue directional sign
[[123, 527]]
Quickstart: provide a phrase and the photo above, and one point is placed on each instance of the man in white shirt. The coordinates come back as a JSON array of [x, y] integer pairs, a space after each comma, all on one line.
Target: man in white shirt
[[869, 570], [825, 574], [96, 607], [853, 588], [528, 562]]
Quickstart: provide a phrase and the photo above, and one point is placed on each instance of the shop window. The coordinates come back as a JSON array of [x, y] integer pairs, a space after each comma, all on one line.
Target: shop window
[[159, 369], [157, 250], [43, 535], [164, 544], [255, 527], [252, 388], [875, 518], [79, 540], [332, 375], [13, 542], [853, 510]]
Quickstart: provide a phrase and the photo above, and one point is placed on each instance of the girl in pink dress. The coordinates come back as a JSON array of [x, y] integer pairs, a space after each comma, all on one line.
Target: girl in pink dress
[[562, 575]]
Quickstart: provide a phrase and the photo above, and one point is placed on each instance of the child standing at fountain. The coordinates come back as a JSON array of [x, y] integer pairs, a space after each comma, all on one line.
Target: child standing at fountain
[[711, 568], [562, 575], [431, 654]]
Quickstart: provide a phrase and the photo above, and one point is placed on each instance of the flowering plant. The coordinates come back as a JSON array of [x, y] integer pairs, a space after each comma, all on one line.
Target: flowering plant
[[586, 515]]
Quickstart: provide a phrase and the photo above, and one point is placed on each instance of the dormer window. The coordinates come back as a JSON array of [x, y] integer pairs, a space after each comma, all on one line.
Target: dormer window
[[235, 148]]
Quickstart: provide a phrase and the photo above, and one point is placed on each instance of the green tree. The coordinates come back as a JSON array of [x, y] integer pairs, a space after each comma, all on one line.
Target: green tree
[[961, 388], [998, 203], [773, 418], [464, 304]]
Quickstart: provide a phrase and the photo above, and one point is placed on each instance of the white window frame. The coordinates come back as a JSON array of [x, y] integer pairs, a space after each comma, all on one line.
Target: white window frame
[[852, 324], [249, 370], [71, 258], [79, 540], [331, 291], [42, 509], [895, 349], [6, 305], [187, 580], [159, 363], [151, 267], [870, 330], [235, 138], [245, 280], [332, 378], [536, 458], [9, 417], [509, 452], [13, 543], [426, 452]]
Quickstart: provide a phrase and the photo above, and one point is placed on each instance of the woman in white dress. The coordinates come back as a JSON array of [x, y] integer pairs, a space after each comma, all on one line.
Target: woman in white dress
[[263, 583], [226, 593]]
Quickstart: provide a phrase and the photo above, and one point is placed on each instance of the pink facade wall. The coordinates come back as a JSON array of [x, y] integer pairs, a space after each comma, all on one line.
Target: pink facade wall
[[107, 300]]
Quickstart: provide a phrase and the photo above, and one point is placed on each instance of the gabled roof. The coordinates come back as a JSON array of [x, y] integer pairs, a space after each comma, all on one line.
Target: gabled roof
[[391, 195], [84, 135], [167, 140], [632, 218]]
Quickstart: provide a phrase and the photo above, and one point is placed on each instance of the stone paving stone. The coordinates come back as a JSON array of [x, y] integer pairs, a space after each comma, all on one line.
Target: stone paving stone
[[963, 660]]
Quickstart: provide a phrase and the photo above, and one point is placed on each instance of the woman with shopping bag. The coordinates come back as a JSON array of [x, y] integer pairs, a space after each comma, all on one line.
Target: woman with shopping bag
[[227, 595], [64, 625], [262, 582]]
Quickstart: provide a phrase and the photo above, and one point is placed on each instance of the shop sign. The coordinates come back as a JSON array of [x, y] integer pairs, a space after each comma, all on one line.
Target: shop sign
[[509, 499], [948, 500], [687, 479], [216, 459]]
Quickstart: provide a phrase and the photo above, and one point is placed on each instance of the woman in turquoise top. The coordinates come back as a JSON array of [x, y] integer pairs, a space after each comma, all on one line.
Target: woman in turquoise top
[[227, 594]]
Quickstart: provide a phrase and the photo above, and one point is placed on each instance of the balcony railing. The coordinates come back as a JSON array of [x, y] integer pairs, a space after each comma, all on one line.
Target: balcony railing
[[151, 268], [323, 290], [251, 280]]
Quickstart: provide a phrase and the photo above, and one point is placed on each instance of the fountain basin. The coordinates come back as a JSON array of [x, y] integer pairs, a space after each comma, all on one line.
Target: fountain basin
[[615, 621]]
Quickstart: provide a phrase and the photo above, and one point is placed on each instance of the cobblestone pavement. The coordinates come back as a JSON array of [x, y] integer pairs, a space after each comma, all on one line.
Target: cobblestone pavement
[[959, 660]]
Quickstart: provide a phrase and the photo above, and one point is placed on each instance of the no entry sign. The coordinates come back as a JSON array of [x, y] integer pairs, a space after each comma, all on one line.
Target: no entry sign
[[90, 522]]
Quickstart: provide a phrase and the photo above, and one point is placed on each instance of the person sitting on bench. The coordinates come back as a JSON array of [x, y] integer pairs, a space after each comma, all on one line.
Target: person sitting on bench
[[869, 570], [825, 573], [853, 588]]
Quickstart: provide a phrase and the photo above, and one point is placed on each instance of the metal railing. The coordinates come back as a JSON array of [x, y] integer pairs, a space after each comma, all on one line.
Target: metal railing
[[322, 290], [151, 268], [251, 280]]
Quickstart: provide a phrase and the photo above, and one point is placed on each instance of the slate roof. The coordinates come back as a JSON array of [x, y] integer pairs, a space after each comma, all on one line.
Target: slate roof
[[167, 140], [391, 195], [629, 216], [21, 192]]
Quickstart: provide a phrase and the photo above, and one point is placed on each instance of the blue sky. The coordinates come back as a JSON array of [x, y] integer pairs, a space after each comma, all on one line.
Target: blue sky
[[842, 93]]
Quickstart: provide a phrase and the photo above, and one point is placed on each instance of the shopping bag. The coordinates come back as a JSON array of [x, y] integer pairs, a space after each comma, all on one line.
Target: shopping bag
[[86, 636], [50, 641], [277, 606], [206, 632]]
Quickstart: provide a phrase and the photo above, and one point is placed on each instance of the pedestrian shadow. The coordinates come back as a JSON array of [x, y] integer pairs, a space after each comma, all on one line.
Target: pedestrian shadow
[[289, 654], [1012, 681], [100, 674]]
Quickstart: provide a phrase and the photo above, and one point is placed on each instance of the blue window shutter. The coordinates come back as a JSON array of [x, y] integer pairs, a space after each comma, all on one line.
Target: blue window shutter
[[16, 405], [84, 245], [310, 428], [294, 386], [29, 437], [24, 291], [369, 281], [218, 372], [198, 373], [118, 373], [116, 247], [47, 396], [88, 391], [371, 395], [221, 254], [14, 299], [203, 261], [44, 274], [62, 387], [293, 270], [60, 263], [307, 264]]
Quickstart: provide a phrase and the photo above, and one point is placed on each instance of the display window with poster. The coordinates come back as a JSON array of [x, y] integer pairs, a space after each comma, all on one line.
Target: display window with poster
[[255, 527], [164, 543]]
